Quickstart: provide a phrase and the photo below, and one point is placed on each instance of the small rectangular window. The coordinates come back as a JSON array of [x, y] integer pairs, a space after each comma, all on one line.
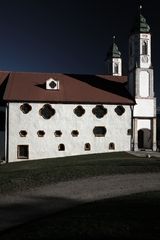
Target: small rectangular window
[[22, 151], [129, 132]]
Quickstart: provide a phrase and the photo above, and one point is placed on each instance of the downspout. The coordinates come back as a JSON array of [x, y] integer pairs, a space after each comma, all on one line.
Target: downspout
[[132, 128], [6, 132]]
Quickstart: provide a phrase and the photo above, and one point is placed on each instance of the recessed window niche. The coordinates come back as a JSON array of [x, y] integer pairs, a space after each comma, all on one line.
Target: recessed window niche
[[87, 147], [25, 108], [79, 111], [61, 147], [40, 133], [99, 111], [111, 146], [119, 110], [58, 133], [47, 111], [75, 133], [23, 133], [99, 131]]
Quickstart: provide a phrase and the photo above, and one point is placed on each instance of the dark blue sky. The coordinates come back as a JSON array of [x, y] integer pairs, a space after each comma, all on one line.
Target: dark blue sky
[[70, 36]]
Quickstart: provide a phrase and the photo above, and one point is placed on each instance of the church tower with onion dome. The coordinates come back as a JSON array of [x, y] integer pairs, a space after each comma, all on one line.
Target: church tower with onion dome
[[113, 60], [141, 85]]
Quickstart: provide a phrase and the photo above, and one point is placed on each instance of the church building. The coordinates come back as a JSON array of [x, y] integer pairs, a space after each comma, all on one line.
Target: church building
[[47, 115]]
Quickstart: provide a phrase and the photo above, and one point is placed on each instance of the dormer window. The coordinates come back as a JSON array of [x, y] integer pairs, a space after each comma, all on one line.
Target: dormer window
[[52, 84]]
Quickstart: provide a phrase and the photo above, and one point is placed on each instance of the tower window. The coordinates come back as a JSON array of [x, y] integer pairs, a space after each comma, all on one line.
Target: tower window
[[144, 48], [87, 147], [61, 147], [115, 68], [22, 152]]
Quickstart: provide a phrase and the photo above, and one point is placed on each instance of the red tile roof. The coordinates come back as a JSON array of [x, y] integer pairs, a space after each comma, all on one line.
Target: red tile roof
[[74, 88]]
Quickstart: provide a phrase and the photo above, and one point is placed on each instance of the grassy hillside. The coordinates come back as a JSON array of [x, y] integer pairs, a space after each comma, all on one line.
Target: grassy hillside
[[28, 174]]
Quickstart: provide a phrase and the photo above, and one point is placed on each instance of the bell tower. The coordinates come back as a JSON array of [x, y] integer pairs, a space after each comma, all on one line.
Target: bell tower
[[113, 60], [141, 85]]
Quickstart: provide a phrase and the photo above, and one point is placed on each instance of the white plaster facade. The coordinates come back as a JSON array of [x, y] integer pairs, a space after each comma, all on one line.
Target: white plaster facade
[[66, 121]]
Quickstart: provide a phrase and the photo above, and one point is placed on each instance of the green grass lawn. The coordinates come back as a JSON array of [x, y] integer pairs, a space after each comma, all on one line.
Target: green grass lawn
[[134, 217], [20, 176]]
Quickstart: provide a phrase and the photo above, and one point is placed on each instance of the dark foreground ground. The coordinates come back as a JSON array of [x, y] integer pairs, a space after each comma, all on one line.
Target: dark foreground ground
[[131, 217], [122, 214]]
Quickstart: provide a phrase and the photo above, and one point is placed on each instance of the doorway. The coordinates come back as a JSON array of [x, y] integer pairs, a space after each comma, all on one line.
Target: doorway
[[144, 139]]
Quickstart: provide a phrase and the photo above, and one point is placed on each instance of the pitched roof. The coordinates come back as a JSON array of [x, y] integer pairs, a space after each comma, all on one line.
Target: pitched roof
[[74, 88]]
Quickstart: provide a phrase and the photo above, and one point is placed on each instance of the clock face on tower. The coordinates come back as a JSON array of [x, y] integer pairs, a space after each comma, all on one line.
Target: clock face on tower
[[144, 59]]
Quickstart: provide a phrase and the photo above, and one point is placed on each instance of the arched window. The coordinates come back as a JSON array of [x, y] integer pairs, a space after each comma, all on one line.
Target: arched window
[[144, 48], [115, 68], [111, 146], [87, 147], [61, 147]]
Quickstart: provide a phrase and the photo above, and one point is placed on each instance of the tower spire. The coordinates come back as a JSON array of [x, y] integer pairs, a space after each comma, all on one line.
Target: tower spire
[[114, 37], [113, 60], [140, 24], [140, 8]]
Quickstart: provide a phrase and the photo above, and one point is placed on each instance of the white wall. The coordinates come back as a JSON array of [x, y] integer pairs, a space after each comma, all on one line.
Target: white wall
[[66, 121], [144, 124], [145, 108], [144, 84]]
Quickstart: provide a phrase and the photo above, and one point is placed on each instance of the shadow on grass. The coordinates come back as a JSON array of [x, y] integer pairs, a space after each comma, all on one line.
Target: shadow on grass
[[131, 217]]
